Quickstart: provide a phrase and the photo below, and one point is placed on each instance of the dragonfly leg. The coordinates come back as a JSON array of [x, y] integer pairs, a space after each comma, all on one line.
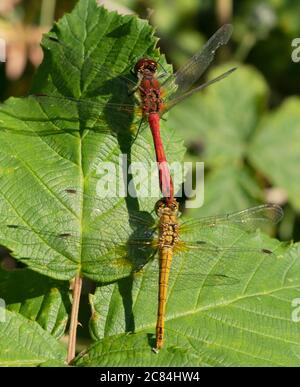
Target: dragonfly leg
[[133, 89], [165, 73], [138, 131], [152, 256], [162, 75]]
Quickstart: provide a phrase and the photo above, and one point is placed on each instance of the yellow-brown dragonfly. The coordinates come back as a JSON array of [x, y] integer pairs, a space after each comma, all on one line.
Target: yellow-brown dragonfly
[[115, 241]]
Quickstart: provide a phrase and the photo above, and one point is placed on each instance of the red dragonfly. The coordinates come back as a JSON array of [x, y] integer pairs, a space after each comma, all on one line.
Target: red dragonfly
[[151, 95], [155, 97]]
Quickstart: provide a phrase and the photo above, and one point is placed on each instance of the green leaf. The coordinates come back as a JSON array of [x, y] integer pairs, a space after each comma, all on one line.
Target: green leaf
[[275, 149], [37, 298], [25, 343], [49, 146], [134, 351], [246, 324], [53, 363]]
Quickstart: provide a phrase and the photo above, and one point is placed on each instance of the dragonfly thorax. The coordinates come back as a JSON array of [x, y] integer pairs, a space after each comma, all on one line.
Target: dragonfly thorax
[[168, 232], [150, 95], [168, 222]]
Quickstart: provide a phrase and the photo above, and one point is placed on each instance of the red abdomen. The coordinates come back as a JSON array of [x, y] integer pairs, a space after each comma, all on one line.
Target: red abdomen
[[165, 179]]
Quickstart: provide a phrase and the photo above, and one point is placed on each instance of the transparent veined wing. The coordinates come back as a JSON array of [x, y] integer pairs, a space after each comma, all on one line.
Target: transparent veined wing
[[45, 115], [190, 73], [107, 244], [116, 241], [174, 101], [210, 249], [117, 255], [249, 219]]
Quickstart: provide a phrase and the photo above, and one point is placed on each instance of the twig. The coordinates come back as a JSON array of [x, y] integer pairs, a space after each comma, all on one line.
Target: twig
[[74, 318]]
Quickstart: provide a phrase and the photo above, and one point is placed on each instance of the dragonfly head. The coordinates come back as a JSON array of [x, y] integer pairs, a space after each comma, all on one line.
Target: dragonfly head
[[162, 207], [145, 66]]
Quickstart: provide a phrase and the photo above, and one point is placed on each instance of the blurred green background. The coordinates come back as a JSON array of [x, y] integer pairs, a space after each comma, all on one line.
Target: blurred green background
[[246, 128]]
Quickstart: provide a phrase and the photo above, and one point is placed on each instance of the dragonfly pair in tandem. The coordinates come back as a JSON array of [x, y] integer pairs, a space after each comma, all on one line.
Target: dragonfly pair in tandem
[[124, 241]]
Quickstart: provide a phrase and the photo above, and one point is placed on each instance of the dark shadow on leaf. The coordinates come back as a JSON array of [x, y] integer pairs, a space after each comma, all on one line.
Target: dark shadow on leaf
[[125, 289], [151, 339], [121, 31], [28, 285]]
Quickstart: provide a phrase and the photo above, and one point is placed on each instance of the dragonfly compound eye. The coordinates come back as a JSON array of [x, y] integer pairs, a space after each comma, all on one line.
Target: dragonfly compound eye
[[145, 64]]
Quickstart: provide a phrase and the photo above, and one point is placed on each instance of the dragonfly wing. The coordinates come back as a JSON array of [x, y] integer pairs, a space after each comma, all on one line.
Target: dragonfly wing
[[249, 219], [213, 248], [186, 76], [87, 113], [113, 242], [169, 105], [186, 273], [221, 257], [47, 115]]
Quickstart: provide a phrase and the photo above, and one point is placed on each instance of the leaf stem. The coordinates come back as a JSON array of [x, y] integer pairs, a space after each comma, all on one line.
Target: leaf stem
[[77, 285]]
